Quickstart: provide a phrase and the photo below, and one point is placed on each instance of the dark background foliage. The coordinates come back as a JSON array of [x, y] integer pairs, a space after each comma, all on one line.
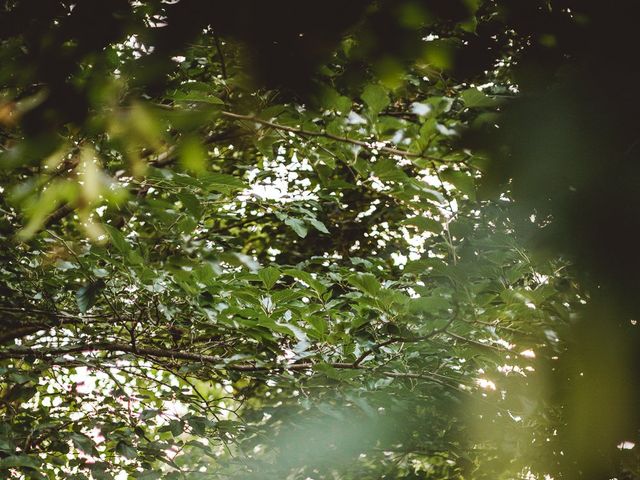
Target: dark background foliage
[[564, 149]]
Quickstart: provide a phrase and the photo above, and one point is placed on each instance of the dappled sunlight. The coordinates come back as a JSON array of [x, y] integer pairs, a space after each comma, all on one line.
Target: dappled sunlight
[[351, 240]]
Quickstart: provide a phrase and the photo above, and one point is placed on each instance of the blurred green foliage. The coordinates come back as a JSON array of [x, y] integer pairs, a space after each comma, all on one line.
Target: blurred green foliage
[[389, 239]]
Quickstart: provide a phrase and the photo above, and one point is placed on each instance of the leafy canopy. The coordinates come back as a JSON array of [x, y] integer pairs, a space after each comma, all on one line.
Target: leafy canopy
[[240, 246]]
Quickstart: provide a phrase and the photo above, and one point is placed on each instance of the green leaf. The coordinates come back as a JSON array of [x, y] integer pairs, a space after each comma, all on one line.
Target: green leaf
[[86, 296], [463, 181], [431, 304], [126, 450], [376, 98], [99, 471], [318, 225], [221, 182], [388, 170], [297, 225], [306, 277], [365, 282], [148, 476], [19, 461], [191, 203], [198, 424], [176, 427], [332, 100], [6, 445], [20, 393], [197, 97], [424, 223], [193, 156], [269, 276], [82, 442], [149, 414], [474, 98], [117, 239]]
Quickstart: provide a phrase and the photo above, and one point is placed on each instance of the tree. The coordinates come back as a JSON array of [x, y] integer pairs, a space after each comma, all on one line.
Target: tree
[[262, 241]]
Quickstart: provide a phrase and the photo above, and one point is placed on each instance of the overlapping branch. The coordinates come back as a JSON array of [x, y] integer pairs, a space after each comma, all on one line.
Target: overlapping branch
[[324, 134]]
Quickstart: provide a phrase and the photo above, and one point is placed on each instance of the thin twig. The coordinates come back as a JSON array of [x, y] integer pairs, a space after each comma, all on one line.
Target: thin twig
[[324, 134]]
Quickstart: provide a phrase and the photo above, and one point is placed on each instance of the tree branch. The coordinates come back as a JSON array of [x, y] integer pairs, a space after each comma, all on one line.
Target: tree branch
[[323, 134], [56, 319], [421, 338], [156, 353], [20, 332]]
